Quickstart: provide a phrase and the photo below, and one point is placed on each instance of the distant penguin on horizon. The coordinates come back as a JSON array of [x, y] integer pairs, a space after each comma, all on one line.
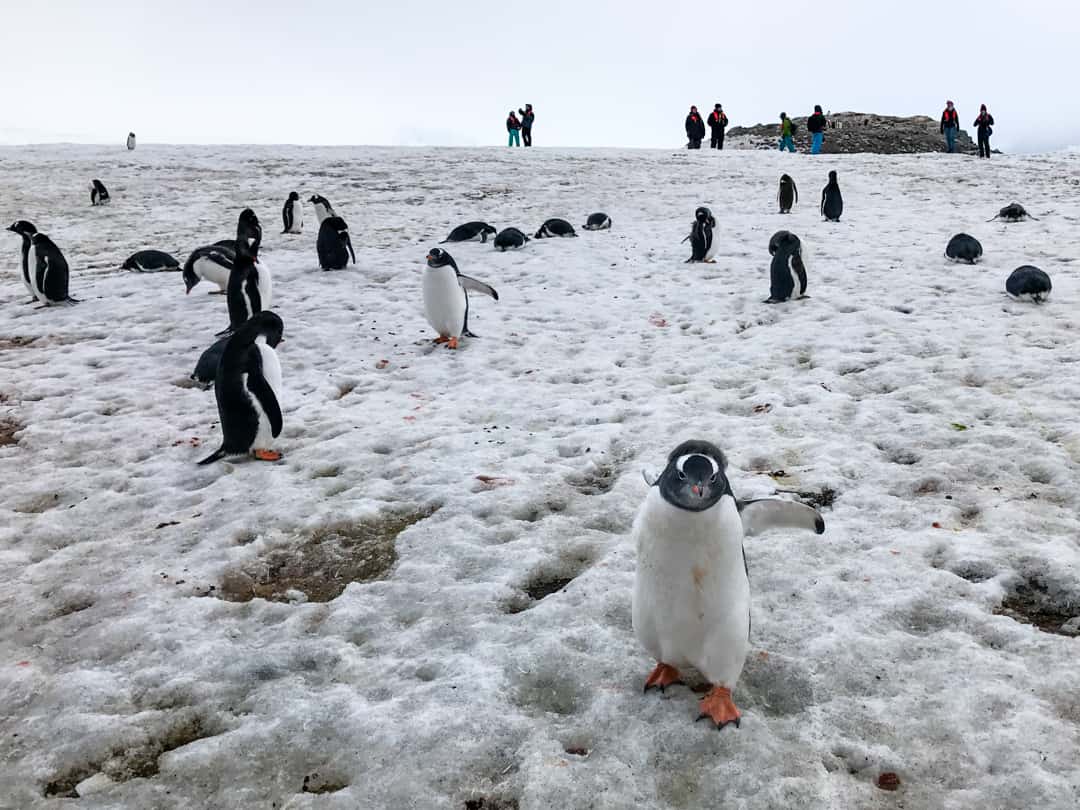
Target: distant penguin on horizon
[[832, 202], [131, 141]]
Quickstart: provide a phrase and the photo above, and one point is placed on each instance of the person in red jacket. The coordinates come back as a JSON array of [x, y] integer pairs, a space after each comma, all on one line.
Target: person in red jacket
[[985, 123], [950, 125], [717, 124]]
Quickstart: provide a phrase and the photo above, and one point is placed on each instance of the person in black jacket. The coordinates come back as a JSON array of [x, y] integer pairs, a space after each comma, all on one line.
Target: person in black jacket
[[985, 123], [950, 125], [695, 129], [527, 116], [717, 123], [816, 125]]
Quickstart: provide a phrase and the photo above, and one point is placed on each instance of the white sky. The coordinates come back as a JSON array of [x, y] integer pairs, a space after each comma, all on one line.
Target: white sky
[[597, 73]]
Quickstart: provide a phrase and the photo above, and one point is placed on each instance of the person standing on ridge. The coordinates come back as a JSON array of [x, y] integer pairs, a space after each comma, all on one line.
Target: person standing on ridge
[[695, 129], [512, 126], [787, 133], [985, 123], [816, 125], [717, 123], [950, 125], [527, 117]]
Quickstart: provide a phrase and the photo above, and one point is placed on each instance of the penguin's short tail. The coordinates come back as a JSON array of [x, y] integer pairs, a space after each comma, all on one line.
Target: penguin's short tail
[[70, 300], [217, 455]]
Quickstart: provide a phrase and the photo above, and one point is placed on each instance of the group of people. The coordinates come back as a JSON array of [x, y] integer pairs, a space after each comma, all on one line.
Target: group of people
[[523, 125], [950, 126], [695, 128]]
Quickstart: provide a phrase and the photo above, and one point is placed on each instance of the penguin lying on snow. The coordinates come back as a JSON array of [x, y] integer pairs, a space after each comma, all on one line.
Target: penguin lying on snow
[[1028, 283], [150, 261], [597, 222], [99, 195], [45, 270], [510, 239], [446, 297], [470, 231], [963, 248], [788, 194], [787, 274], [323, 209], [26, 230], [702, 247], [292, 214], [832, 202], [1013, 212], [334, 245], [691, 603], [248, 390], [555, 227], [250, 286]]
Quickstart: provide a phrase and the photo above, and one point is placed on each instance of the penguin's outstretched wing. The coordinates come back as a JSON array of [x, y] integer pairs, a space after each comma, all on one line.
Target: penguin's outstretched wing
[[348, 244], [264, 395], [772, 513], [468, 283]]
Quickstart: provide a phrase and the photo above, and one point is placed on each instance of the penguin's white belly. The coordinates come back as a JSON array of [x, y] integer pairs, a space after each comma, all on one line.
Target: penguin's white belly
[[711, 250], [266, 284], [796, 284], [29, 271], [271, 371], [444, 301], [209, 270], [297, 218], [691, 592]]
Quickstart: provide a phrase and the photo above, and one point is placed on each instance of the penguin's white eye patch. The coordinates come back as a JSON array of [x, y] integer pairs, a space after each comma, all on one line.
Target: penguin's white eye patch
[[682, 475], [713, 479]]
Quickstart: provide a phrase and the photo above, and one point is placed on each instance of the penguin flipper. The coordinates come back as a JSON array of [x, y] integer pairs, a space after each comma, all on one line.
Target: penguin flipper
[[468, 283], [773, 513], [217, 455], [264, 395], [348, 243]]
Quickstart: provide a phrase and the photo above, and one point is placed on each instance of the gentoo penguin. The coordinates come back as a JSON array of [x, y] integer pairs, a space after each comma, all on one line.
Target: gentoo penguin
[[48, 271], [701, 236], [334, 244], [963, 248], [1028, 283], [555, 227], [510, 239], [292, 214], [248, 390], [691, 603], [787, 274], [323, 209], [832, 203], [446, 297], [26, 230], [597, 222], [788, 194], [250, 287], [470, 231], [150, 261], [214, 263], [99, 195], [131, 141], [1013, 212], [206, 369]]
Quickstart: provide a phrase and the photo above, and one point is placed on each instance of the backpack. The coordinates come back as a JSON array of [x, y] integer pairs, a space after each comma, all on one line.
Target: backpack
[[793, 128]]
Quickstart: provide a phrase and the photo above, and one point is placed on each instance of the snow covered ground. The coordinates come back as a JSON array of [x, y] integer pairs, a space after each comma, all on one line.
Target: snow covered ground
[[426, 604]]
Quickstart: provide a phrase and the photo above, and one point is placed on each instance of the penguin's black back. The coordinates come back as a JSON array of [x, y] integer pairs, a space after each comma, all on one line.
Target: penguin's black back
[[51, 270], [832, 202]]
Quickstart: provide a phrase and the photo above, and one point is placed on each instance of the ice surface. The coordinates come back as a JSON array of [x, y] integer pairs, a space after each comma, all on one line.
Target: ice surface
[[427, 603]]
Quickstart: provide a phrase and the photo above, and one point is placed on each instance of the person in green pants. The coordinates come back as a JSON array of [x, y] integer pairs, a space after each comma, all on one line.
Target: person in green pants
[[787, 133], [513, 126]]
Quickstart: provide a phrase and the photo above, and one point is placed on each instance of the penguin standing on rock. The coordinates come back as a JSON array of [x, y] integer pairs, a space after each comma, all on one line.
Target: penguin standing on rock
[[248, 390], [26, 230], [292, 214], [832, 202], [250, 287], [99, 195], [787, 274], [446, 297], [334, 244], [702, 246], [691, 602], [788, 194]]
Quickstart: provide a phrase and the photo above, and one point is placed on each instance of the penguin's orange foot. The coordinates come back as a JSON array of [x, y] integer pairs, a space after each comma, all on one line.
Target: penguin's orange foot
[[441, 339], [452, 343], [710, 261], [662, 676], [718, 707], [267, 455]]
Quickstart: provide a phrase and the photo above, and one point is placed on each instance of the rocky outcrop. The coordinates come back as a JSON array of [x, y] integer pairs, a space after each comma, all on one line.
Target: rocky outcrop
[[856, 132]]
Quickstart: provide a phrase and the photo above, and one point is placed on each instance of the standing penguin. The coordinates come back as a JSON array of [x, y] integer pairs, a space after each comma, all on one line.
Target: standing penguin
[[26, 230], [323, 209], [701, 236], [292, 214], [691, 603], [99, 195], [788, 194], [787, 274], [334, 244], [131, 141], [446, 297], [250, 287], [832, 203], [248, 390], [48, 270]]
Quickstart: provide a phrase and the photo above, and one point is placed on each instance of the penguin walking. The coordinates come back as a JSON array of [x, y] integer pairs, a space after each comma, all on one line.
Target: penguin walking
[[691, 602], [1028, 283], [26, 230], [555, 227], [250, 287], [963, 248], [510, 239], [702, 247], [470, 231], [597, 222], [292, 214], [213, 263], [99, 195], [334, 244], [150, 261], [446, 297], [832, 203], [248, 390], [788, 194], [323, 209], [787, 274]]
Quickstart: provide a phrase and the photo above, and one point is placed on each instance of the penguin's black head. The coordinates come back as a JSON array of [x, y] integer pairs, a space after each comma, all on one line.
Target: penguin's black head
[[490, 229], [437, 257], [785, 178], [784, 242], [248, 234], [22, 227], [293, 196], [703, 215], [832, 177], [318, 199], [263, 324], [694, 478]]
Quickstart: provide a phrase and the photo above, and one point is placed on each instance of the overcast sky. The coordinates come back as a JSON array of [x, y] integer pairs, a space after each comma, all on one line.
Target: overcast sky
[[598, 73]]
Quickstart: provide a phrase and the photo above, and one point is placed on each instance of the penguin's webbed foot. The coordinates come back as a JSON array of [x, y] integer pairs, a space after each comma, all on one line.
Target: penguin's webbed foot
[[662, 676], [266, 455], [452, 343], [718, 707], [441, 339]]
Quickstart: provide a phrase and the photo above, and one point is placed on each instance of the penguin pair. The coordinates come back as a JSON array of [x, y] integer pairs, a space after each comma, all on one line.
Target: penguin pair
[[691, 601], [787, 273], [702, 246], [44, 269], [99, 195], [446, 297]]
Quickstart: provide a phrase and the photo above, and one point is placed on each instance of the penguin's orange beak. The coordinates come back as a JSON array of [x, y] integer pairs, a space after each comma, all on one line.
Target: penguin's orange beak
[[428, 257]]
